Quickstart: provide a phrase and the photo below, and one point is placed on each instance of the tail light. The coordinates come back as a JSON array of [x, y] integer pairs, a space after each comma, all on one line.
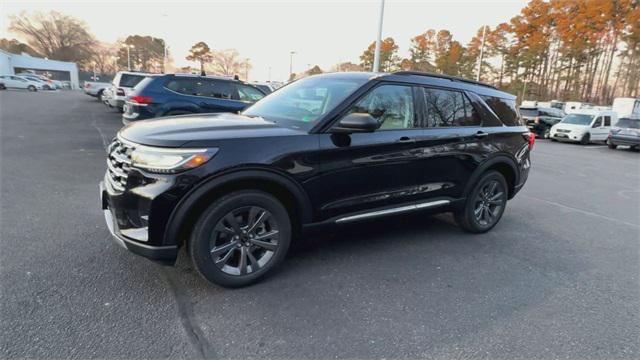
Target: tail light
[[120, 92], [142, 100], [537, 120], [531, 139]]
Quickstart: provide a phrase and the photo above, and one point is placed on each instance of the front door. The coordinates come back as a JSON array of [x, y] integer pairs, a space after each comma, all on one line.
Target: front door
[[363, 171]]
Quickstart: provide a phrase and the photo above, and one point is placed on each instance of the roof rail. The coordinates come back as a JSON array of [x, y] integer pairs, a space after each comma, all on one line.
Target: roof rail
[[442, 76]]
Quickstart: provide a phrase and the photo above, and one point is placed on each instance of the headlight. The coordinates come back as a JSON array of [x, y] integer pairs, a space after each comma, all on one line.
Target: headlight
[[170, 161]]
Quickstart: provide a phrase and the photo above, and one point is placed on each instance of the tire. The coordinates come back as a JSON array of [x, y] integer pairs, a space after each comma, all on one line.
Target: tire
[[489, 197], [611, 145], [32, 88], [99, 95], [586, 138], [228, 232], [546, 134], [554, 140]]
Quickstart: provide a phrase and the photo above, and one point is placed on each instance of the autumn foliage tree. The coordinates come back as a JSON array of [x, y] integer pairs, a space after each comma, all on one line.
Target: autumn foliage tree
[[389, 58], [556, 49]]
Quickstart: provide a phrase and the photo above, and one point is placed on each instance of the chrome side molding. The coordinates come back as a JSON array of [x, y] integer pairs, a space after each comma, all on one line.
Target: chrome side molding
[[400, 209]]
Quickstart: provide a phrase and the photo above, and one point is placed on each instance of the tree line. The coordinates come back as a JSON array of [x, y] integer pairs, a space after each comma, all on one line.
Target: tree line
[[559, 49], [62, 37]]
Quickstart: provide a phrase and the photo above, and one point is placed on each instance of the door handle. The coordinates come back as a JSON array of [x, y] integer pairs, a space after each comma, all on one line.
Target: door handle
[[406, 139], [481, 134]]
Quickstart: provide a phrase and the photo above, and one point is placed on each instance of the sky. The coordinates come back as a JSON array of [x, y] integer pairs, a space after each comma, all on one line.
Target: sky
[[265, 32]]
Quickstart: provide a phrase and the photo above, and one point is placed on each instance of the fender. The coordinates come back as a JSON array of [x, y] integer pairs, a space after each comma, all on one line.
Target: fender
[[181, 211], [502, 158]]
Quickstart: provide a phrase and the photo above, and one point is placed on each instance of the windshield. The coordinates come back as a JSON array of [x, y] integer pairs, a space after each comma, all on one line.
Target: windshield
[[628, 123], [303, 102], [577, 119]]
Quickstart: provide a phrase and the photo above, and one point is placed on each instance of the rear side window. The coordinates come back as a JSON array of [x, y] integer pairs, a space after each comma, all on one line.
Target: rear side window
[[217, 89], [183, 86], [507, 111], [445, 108], [607, 121], [129, 80], [202, 87]]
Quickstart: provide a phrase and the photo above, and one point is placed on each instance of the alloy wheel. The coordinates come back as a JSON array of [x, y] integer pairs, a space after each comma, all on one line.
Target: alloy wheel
[[244, 240], [489, 203]]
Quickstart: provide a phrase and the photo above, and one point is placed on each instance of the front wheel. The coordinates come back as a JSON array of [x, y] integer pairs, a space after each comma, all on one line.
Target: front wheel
[[586, 138], [547, 133], [240, 238], [484, 205], [32, 88]]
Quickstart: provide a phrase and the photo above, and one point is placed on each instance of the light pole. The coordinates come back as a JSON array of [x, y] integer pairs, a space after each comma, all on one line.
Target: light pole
[[129, 56], [246, 69], [291, 63], [376, 54], [484, 29]]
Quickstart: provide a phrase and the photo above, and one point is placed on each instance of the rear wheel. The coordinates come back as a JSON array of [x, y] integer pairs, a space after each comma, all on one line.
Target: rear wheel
[[586, 138], [484, 205], [240, 238]]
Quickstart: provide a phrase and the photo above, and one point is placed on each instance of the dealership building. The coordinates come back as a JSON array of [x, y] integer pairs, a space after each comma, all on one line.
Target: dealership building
[[11, 64]]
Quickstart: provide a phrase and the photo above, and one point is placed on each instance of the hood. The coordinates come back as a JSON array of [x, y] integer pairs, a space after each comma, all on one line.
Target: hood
[[177, 131], [571, 126]]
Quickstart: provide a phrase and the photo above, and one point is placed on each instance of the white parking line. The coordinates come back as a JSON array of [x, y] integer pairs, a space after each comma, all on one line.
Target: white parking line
[[582, 211]]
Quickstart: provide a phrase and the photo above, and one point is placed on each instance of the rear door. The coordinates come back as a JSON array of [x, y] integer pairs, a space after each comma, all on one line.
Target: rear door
[[454, 142]]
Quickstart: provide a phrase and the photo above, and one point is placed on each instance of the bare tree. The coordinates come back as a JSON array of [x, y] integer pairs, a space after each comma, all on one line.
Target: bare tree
[[54, 35], [228, 62]]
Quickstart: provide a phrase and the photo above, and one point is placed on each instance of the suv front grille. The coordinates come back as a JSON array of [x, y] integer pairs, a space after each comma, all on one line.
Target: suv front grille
[[564, 131], [118, 164]]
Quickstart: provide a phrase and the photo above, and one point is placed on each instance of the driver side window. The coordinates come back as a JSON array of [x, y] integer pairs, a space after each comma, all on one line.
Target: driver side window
[[598, 122], [390, 105]]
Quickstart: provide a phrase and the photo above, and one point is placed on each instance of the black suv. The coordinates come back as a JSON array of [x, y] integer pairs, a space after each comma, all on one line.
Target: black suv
[[179, 94], [540, 119], [327, 149]]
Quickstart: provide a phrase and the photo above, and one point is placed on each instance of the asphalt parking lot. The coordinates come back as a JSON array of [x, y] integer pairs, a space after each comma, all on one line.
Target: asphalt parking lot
[[557, 278]]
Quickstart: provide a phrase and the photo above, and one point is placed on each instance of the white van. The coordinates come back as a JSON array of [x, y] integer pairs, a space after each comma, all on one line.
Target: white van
[[584, 126]]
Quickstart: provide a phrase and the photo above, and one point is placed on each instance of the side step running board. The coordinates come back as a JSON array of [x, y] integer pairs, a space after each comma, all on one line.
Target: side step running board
[[400, 209]]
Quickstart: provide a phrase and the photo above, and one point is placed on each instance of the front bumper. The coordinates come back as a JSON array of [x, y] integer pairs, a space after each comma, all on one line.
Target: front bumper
[[571, 136], [110, 202]]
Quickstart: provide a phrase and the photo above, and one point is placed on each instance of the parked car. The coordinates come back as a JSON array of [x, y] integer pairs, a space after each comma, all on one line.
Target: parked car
[[47, 84], [266, 87], [95, 88], [17, 82], [584, 126], [121, 87], [540, 119], [324, 150], [625, 132], [174, 94]]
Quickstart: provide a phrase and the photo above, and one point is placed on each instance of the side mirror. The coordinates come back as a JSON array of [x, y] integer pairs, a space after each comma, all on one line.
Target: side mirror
[[355, 122]]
